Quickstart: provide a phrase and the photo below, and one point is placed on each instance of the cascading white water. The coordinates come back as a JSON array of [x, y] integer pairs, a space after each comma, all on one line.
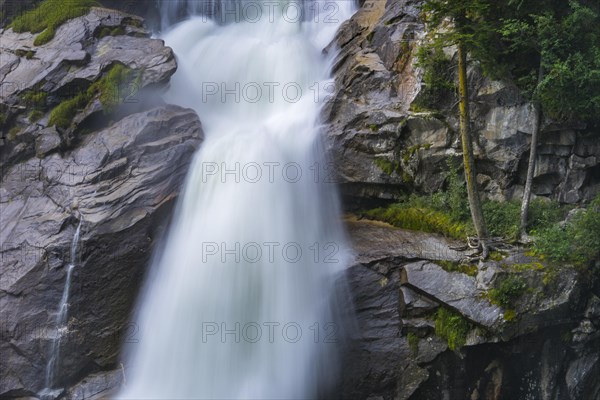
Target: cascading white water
[[61, 327], [241, 302]]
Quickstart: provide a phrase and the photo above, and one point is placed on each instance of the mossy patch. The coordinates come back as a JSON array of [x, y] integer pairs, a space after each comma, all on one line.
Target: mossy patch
[[453, 266], [28, 54], [532, 266], [387, 166], [33, 98], [413, 343], [62, 115], [118, 84], [508, 292], [452, 327], [408, 153], [576, 243], [35, 115], [135, 22], [48, 16], [107, 31], [13, 132], [510, 315]]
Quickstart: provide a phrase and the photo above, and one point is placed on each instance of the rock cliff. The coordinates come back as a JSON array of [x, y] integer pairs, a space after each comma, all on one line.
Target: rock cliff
[[115, 170], [546, 347], [385, 146]]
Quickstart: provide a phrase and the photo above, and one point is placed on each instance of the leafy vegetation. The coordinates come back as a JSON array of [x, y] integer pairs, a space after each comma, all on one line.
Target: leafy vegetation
[[438, 82], [445, 212], [577, 242], [502, 218], [452, 327], [48, 16], [112, 89]]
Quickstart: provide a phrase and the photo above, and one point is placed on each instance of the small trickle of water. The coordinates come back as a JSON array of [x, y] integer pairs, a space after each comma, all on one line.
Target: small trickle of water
[[61, 327]]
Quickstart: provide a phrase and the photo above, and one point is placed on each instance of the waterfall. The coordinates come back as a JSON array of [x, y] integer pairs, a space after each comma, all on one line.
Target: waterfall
[[61, 317], [241, 302]]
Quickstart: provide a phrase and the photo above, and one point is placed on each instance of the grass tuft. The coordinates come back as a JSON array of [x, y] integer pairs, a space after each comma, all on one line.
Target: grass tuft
[[419, 219]]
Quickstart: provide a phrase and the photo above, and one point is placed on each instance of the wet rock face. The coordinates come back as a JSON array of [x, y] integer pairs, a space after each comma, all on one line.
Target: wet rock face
[[548, 349], [116, 172], [120, 183], [383, 147]]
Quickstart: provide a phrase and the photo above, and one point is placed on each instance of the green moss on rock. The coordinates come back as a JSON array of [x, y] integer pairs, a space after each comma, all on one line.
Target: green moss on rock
[[452, 327], [413, 343], [113, 89], [452, 266], [35, 115], [508, 292]]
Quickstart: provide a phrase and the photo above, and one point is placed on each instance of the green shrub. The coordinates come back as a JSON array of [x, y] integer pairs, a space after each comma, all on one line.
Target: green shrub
[[48, 16], [452, 327], [553, 243], [543, 214], [584, 232], [578, 242], [508, 291], [502, 218]]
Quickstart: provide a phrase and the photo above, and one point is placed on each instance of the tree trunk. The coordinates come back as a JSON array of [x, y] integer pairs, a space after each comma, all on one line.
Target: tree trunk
[[467, 146], [532, 160]]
